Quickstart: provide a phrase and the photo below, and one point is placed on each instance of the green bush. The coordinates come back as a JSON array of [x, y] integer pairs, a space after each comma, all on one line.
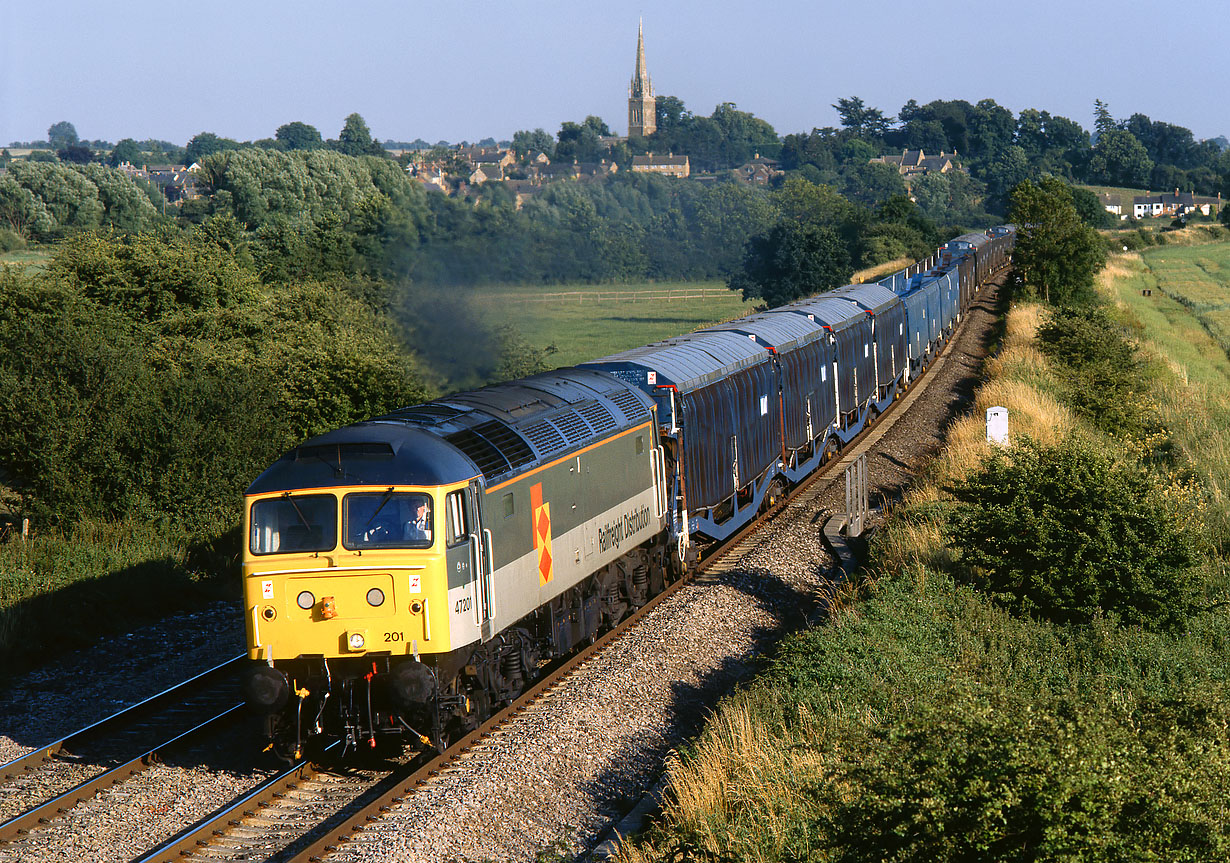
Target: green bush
[[10, 241], [989, 778], [1063, 533], [153, 376], [1104, 378]]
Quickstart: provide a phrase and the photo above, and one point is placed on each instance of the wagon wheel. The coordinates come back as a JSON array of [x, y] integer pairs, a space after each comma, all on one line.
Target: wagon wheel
[[830, 450], [773, 495]]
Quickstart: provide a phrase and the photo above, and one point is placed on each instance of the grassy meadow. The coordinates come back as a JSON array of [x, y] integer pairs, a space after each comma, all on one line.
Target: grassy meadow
[[585, 322], [925, 721], [36, 258]]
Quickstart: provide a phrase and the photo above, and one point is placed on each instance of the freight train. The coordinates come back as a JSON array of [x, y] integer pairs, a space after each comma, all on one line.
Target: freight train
[[405, 576]]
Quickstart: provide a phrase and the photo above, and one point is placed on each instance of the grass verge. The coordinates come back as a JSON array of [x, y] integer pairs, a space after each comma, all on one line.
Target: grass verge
[[61, 591]]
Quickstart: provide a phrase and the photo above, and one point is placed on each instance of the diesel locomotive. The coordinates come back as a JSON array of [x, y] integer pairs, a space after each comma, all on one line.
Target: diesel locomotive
[[405, 576]]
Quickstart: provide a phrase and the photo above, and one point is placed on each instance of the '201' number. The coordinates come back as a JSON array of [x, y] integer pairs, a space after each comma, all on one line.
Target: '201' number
[[394, 636]]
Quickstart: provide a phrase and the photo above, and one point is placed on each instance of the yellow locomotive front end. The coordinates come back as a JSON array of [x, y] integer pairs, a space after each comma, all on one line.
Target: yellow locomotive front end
[[353, 541], [342, 573]]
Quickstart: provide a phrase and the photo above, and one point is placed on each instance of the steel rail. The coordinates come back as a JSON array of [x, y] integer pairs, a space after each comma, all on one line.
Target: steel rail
[[43, 754], [54, 808], [200, 833]]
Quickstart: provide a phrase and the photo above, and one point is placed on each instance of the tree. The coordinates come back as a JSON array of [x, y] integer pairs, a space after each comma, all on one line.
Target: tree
[[1089, 208], [791, 261], [126, 206], [61, 135], [126, 150], [1064, 533], [78, 154], [990, 128], [1118, 159], [205, 144], [355, 139], [299, 136], [671, 113], [870, 184], [863, 121], [582, 142], [1056, 254], [69, 197], [1103, 122], [1009, 167], [526, 143], [24, 214]]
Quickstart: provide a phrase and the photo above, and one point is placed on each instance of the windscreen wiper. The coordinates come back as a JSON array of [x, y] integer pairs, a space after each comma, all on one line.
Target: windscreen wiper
[[387, 496]]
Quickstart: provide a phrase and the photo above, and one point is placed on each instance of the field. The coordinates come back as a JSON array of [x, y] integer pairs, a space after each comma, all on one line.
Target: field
[[585, 322], [27, 257], [1187, 313]]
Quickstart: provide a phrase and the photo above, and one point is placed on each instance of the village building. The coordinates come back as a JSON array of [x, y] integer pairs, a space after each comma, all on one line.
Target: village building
[[669, 165], [918, 162], [1112, 204], [759, 171], [1177, 204]]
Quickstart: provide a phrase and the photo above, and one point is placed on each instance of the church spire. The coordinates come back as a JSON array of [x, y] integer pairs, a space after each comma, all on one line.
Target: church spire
[[642, 106], [641, 85]]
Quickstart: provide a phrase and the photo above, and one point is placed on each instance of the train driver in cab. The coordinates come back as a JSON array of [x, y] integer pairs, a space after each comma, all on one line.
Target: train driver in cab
[[418, 529]]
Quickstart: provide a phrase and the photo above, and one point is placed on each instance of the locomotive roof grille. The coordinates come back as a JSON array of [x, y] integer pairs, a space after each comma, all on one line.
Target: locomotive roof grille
[[598, 416], [494, 447], [544, 437], [572, 426], [431, 413], [632, 407]]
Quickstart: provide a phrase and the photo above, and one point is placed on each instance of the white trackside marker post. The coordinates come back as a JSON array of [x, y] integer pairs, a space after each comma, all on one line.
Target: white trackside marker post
[[997, 426]]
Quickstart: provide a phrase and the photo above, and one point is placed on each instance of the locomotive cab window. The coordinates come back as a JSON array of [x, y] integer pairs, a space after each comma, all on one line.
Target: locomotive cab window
[[457, 524], [386, 519], [294, 523]]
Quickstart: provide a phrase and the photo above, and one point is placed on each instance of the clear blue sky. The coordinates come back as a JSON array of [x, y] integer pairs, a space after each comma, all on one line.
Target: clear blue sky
[[467, 71]]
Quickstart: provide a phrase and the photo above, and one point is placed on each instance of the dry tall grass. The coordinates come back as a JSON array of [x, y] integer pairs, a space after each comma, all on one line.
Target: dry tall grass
[[1019, 381], [879, 271], [741, 775]]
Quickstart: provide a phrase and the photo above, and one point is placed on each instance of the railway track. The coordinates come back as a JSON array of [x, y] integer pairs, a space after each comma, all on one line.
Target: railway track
[[78, 766], [271, 823]]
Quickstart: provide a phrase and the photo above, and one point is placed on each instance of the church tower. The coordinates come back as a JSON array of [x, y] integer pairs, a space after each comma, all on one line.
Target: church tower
[[642, 106]]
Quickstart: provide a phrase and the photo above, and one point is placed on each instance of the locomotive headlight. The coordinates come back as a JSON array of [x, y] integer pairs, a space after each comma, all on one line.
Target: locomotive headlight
[[375, 597], [355, 640], [306, 600]]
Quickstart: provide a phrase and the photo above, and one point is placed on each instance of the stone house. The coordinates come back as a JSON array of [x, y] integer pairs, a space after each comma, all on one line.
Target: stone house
[[669, 165], [918, 162]]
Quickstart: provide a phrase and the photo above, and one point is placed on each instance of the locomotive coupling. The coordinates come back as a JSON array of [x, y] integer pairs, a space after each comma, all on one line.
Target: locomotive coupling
[[265, 689]]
